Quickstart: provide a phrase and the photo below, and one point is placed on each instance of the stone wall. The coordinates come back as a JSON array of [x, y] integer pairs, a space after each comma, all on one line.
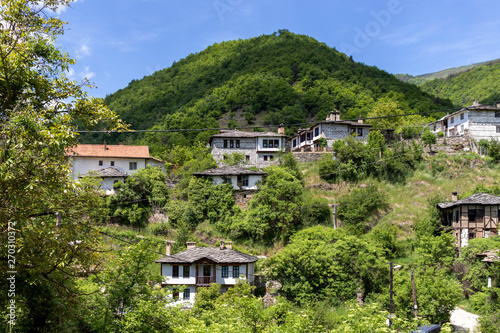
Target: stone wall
[[248, 147], [308, 156], [243, 197]]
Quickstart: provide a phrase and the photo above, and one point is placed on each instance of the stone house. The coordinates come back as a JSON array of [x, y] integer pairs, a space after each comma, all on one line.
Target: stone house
[[259, 148], [244, 180], [333, 128], [473, 217], [475, 121], [198, 267], [109, 176]]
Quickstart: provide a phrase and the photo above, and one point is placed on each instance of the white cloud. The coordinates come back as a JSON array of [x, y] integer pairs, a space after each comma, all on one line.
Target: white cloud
[[83, 51], [86, 73], [60, 9], [409, 35]]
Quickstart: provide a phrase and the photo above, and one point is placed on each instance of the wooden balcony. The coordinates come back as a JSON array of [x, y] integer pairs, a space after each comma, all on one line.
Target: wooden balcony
[[204, 280]]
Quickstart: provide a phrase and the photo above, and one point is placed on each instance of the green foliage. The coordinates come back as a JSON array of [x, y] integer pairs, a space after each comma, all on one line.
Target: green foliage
[[356, 208], [286, 78], [274, 212], [39, 110], [437, 294], [315, 211], [386, 236], [321, 263], [462, 88], [477, 272], [438, 251], [493, 148], [135, 198], [234, 159], [428, 138], [354, 161], [429, 225]]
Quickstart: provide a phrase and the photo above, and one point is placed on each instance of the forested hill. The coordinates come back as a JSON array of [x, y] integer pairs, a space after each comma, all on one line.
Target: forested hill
[[270, 79], [482, 82]]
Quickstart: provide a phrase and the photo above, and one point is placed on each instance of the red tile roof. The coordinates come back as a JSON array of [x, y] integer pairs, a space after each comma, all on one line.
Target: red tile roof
[[110, 151]]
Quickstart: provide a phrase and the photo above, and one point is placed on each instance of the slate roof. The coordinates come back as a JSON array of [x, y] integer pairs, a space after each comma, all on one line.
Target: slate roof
[[229, 170], [475, 199], [242, 134], [490, 256], [214, 254], [115, 151], [108, 173]]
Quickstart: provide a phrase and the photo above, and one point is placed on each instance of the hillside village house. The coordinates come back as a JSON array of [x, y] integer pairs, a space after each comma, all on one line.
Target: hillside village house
[[259, 148], [333, 128], [244, 180], [198, 267], [476, 121], [111, 162], [473, 217]]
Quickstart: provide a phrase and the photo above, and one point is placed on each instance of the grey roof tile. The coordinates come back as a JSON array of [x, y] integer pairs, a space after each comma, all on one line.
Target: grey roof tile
[[108, 172], [475, 199], [214, 254], [229, 170]]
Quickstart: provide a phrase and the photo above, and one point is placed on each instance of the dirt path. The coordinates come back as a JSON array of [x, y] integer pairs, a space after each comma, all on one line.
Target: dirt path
[[463, 321]]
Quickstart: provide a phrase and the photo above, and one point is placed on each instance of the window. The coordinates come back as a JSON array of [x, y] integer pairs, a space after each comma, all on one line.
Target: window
[[264, 143], [236, 271], [225, 271], [247, 157], [276, 143], [101, 163], [187, 294], [175, 271], [185, 271], [353, 130], [472, 215], [271, 157], [308, 135], [265, 157], [231, 143], [237, 143], [452, 120], [360, 131], [462, 128], [498, 129], [497, 114], [224, 157], [244, 180], [225, 143], [316, 131], [132, 166], [294, 142], [462, 116], [472, 235], [112, 163], [271, 144]]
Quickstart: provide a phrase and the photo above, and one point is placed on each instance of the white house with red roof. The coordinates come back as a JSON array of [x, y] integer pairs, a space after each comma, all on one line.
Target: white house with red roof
[[111, 162]]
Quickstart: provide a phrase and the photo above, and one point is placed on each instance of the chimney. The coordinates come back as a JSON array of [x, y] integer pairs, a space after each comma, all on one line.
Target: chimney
[[454, 196], [337, 115], [120, 144], [229, 245], [169, 247], [476, 102], [222, 245], [191, 245], [497, 104], [105, 145], [360, 120], [281, 129]]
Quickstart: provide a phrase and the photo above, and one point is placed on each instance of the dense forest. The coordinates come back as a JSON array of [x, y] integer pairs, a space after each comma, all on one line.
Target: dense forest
[[270, 79], [481, 82]]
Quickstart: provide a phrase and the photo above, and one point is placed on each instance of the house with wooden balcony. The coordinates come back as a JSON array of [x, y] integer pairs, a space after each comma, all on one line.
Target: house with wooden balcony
[[333, 128], [198, 267], [473, 217]]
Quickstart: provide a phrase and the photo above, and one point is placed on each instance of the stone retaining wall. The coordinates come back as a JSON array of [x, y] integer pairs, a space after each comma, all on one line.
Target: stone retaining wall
[[308, 157]]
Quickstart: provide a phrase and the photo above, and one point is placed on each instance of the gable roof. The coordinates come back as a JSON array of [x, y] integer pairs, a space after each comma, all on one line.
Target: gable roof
[[108, 172], [475, 199], [242, 134], [115, 151], [214, 254], [229, 170]]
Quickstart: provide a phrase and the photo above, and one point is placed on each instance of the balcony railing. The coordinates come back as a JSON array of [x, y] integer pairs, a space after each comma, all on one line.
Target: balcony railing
[[205, 280]]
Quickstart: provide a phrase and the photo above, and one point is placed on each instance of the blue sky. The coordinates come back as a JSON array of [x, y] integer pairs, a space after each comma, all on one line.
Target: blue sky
[[116, 41]]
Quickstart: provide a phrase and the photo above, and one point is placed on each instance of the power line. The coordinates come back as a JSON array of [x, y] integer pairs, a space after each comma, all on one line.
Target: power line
[[262, 126]]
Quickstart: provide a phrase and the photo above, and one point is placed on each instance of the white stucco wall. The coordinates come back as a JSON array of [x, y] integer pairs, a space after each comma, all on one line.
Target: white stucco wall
[[252, 180], [260, 144], [166, 272], [230, 279], [81, 165]]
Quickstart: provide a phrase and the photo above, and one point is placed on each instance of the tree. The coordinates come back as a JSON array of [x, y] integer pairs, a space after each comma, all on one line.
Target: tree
[[322, 263], [39, 110], [428, 138]]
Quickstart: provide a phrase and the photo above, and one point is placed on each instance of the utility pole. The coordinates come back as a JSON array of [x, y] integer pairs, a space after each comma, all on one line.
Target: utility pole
[[334, 216], [391, 300], [414, 294], [58, 223]]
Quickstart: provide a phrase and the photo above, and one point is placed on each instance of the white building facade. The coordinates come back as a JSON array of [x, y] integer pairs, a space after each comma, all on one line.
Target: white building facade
[[187, 271]]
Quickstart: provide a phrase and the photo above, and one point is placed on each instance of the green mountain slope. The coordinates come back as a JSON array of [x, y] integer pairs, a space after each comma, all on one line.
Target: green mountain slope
[[445, 73], [270, 79], [482, 82]]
